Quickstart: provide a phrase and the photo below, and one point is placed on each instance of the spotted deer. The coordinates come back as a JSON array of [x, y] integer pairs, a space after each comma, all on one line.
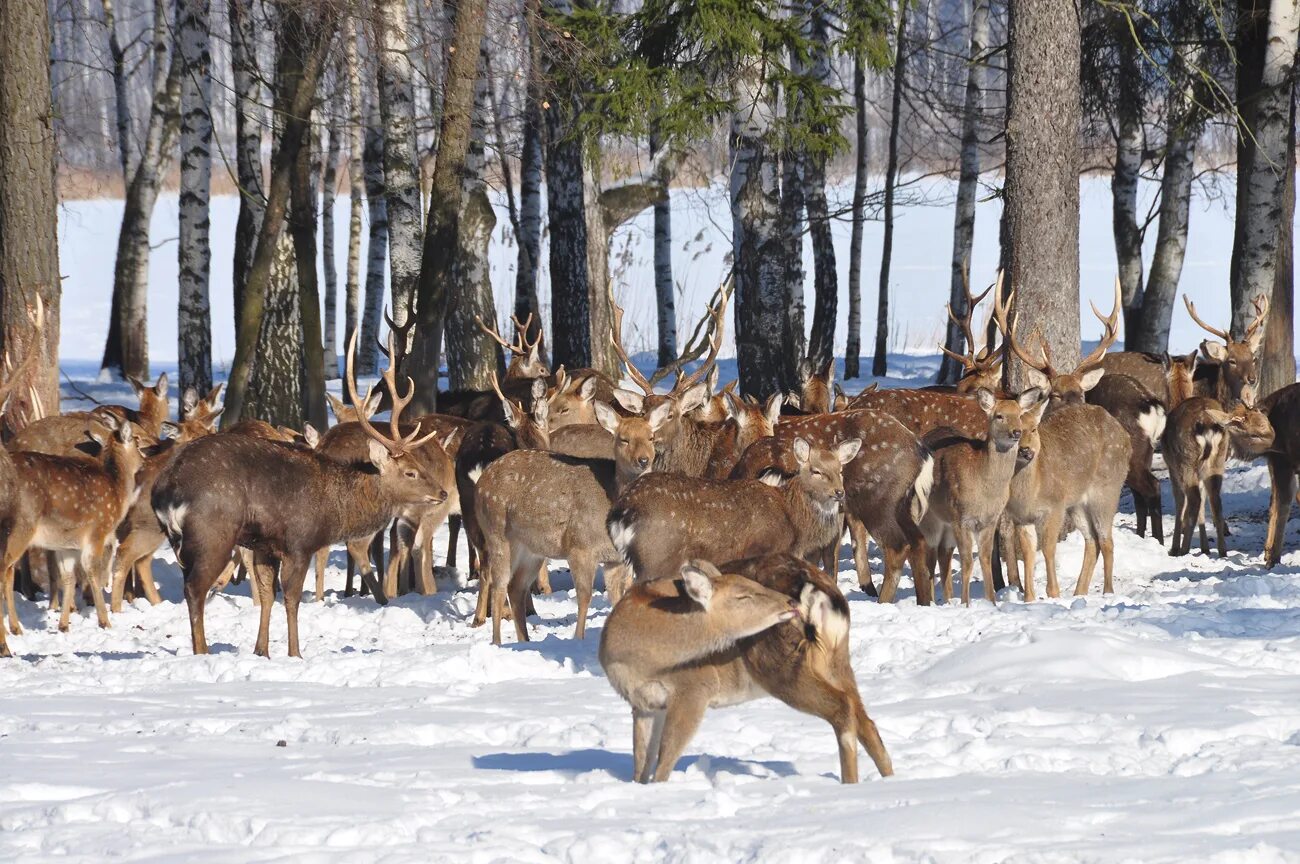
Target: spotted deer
[[283, 503], [746, 423], [673, 648], [1143, 416], [66, 434], [1231, 371], [532, 505]]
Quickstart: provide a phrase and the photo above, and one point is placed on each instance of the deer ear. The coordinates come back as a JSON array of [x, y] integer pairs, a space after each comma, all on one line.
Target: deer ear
[[170, 429], [794, 400], [1027, 398], [1090, 378], [659, 416], [1037, 378], [698, 584], [607, 417], [827, 372], [336, 404], [802, 450], [633, 402], [693, 397], [731, 404], [378, 453], [511, 410], [136, 386], [846, 450], [215, 392], [1218, 418], [311, 436], [189, 400], [588, 389], [773, 410], [1216, 351], [161, 387], [984, 396], [124, 434], [449, 440], [541, 408]]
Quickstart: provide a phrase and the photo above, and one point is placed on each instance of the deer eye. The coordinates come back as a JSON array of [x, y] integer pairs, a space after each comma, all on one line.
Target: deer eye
[[623, 441], [999, 417], [410, 475]]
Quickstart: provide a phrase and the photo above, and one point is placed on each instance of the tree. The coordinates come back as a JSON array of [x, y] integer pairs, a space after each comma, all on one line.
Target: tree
[[329, 192], [377, 255], [126, 350], [821, 343], [861, 165], [963, 231], [1129, 142], [526, 305], [302, 229], [665, 299], [29, 250], [880, 361], [356, 182], [194, 320], [1042, 185], [1277, 363], [249, 125], [441, 235]]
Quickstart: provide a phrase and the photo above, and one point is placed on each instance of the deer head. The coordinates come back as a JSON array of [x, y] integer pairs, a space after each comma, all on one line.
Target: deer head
[[525, 356], [982, 366], [1009, 418], [1238, 378]]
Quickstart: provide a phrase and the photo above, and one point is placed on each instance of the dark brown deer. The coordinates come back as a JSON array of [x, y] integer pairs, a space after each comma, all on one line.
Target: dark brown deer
[[1231, 373], [746, 423], [345, 413], [1077, 458], [532, 505], [283, 503], [1282, 407], [1142, 414], [525, 354], [664, 520], [675, 647], [1197, 441]]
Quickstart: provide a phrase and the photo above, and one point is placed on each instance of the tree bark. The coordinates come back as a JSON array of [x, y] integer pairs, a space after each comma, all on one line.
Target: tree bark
[[1042, 187], [821, 342], [527, 307], [356, 184], [758, 242], [862, 163], [1260, 205], [329, 192], [275, 389], [567, 220], [665, 290], [249, 123], [29, 250], [1277, 358], [1124, 183], [302, 227], [880, 362], [126, 350], [442, 230], [963, 230], [401, 166], [377, 257], [298, 68], [194, 318]]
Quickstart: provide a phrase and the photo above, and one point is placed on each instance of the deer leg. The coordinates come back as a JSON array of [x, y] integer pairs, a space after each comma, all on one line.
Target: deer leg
[[685, 711], [1103, 530], [424, 537], [1214, 491], [944, 561], [293, 573], [858, 536], [358, 552], [1007, 552], [1176, 544], [453, 534], [144, 574], [392, 588], [1026, 543], [376, 555], [542, 585], [494, 582], [521, 583], [894, 557], [96, 564], [1049, 534], [263, 575], [965, 551], [15, 626], [122, 568], [201, 564], [643, 724], [985, 551], [67, 574], [583, 568], [1090, 549], [1283, 482], [322, 558], [919, 557], [1196, 518], [349, 589]]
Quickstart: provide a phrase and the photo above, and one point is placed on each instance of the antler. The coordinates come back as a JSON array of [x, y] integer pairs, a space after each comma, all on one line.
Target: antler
[[717, 313], [496, 335], [1191, 310], [397, 444], [521, 330], [616, 341], [1007, 330], [395, 358], [37, 318], [1110, 333], [1261, 311], [967, 360]]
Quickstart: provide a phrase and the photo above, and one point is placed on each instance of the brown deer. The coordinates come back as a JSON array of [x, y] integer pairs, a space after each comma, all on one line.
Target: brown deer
[[1077, 458], [1197, 442], [675, 647], [73, 505], [746, 423], [923, 411], [283, 503], [972, 480], [525, 354], [66, 434], [1231, 373], [532, 505], [981, 366], [345, 413], [1152, 371], [1142, 414], [816, 392], [1282, 407], [664, 520]]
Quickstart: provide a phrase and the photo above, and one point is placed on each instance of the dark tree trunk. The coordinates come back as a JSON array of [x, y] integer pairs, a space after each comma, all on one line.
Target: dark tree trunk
[[248, 143], [329, 192], [302, 226], [821, 342], [1042, 189], [665, 291], [275, 389], [566, 216], [377, 254], [356, 184], [1124, 182], [527, 307], [193, 308], [862, 163], [1277, 357], [880, 362]]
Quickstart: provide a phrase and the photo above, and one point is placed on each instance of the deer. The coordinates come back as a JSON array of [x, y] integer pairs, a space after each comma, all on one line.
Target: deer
[[1282, 408], [284, 503], [532, 505], [66, 434], [887, 489], [980, 366], [923, 411], [1075, 462], [817, 388], [747, 423], [1231, 371], [345, 413], [1197, 441], [972, 481], [663, 520], [672, 648], [1143, 416], [71, 506]]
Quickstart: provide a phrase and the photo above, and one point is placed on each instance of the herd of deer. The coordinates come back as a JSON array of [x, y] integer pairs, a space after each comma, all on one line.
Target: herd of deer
[[717, 519]]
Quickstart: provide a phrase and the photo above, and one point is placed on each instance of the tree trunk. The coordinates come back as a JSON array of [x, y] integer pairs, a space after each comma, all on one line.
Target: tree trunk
[[275, 391], [793, 177], [1124, 183], [862, 163], [302, 227], [472, 355], [530, 183], [880, 362], [1256, 248], [121, 90], [304, 44], [356, 185], [446, 193], [1277, 358], [377, 256], [194, 320], [401, 166], [126, 350], [963, 230], [665, 290], [29, 246], [821, 342], [757, 241], [248, 143], [1042, 187], [329, 191]]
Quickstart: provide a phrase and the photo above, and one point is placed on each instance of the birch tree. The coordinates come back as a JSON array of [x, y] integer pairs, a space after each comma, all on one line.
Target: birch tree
[[356, 182], [1129, 144], [377, 248], [329, 191], [880, 361], [194, 320], [665, 290], [526, 305], [249, 127], [861, 165], [821, 342]]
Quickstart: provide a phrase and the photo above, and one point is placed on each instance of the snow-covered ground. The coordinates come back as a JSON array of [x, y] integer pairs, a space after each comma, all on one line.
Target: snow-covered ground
[[1158, 724]]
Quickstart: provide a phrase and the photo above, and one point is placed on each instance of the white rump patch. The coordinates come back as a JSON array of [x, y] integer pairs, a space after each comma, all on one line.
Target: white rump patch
[[921, 488], [1152, 422]]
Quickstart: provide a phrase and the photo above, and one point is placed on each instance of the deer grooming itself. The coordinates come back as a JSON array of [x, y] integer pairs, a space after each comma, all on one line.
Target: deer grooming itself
[[1077, 458], [532, 505], [283, 503], [72, 505], [1231, 373], [1197, 441], [972, 480], [664, 520], [673, 648]]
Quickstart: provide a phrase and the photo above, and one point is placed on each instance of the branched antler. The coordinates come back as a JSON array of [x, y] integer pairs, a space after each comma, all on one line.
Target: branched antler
[[396, 443]]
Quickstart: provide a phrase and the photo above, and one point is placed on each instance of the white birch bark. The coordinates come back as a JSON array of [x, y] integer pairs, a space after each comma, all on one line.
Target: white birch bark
[[194, 328]]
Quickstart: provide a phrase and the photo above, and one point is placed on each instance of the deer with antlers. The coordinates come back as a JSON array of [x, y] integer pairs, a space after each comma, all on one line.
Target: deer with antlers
[[284, 503], [980, 366], [1230, 372]]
